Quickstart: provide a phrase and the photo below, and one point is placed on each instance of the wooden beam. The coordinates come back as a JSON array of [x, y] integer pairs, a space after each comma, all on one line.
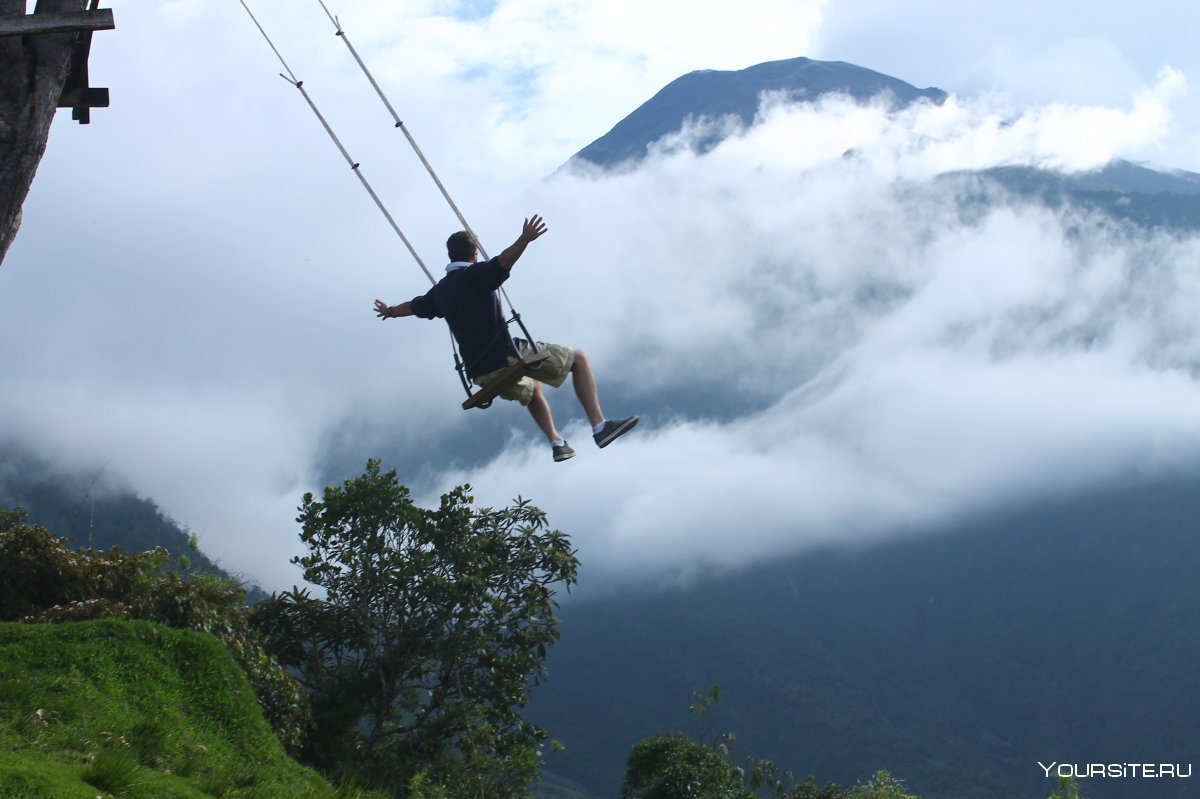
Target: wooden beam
[[63, 22], [89, 97]]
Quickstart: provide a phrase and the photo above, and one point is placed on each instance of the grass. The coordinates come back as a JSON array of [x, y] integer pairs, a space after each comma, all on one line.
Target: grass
[[133, 710], [113, 771]]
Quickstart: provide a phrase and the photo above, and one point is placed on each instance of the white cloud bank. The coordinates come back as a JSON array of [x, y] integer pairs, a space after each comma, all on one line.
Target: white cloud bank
[[189, 297], [926, 359]]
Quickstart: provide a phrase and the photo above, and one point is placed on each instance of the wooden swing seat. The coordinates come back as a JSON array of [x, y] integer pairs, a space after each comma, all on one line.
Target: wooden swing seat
[[511, 374]]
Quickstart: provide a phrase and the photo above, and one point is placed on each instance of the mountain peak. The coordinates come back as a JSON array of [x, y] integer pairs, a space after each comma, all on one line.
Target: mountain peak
[[715, 94]]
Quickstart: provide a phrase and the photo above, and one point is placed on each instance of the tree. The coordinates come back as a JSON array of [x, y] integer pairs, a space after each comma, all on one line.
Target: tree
[[674, 767], [432, 631]]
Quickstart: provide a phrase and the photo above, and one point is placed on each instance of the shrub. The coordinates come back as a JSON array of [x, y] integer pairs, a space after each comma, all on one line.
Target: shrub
[[43, 580]]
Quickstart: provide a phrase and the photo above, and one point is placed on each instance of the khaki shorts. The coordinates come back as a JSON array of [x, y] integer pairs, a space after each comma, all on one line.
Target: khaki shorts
[[553, 371]]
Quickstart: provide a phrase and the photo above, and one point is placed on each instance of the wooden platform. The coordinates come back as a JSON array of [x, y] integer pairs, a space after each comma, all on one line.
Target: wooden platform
[[98, 19], [506, 378], [76, 94]]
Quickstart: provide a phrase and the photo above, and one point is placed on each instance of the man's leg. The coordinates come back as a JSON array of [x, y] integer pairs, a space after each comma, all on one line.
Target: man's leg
[[604, 432], [539, 409], [584, 381]]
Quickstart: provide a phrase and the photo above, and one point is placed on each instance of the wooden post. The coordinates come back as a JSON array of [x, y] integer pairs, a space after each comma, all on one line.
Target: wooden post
[[36, 57]]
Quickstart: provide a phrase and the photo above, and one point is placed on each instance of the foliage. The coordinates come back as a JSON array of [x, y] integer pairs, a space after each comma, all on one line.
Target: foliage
[[881, 786], [673, 766], [139, 711], [42, 580], [702, 703], [432, 631], [1067, 789]]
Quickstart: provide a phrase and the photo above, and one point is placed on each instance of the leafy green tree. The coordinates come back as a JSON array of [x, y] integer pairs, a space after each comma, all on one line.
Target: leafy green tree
[[675, 767], [431, 633]]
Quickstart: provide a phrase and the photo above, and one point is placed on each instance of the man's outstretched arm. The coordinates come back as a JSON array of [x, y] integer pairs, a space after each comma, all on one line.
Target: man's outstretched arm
[[533, 228], [385, 311]]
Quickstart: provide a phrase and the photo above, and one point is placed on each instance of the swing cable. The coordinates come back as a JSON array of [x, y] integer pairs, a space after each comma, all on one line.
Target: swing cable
[[341, 33], [291, 78]]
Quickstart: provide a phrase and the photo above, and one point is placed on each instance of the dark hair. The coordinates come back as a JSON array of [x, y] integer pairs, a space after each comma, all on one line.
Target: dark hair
[[460, 246]]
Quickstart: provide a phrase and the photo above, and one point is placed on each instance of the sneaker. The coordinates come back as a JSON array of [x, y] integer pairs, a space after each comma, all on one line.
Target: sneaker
[[563, 452], [613, 429]]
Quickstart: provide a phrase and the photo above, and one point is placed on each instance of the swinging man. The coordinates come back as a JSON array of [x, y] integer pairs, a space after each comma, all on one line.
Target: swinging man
[[466, 298]]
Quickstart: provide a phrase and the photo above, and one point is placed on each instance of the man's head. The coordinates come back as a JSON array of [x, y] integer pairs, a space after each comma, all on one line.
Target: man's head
[[461, 247]]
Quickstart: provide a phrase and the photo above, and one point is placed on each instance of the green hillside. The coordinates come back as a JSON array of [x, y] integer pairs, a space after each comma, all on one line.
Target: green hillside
[[133, 709]]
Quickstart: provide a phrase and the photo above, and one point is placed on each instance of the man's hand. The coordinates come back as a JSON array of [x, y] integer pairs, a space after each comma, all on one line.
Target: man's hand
[[386, 311], [534, 227]]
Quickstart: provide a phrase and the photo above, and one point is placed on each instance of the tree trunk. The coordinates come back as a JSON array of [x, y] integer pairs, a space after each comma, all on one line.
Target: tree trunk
[[33, 70]]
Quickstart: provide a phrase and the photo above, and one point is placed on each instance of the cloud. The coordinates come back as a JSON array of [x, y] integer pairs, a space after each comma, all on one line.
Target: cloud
[[919, 359], [1034, 54], [825, 347], [1089, 69], [542, 78]]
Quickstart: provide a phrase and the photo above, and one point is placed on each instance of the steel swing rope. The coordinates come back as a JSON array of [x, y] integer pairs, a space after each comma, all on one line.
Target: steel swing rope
[[516, 317], [291, 78]]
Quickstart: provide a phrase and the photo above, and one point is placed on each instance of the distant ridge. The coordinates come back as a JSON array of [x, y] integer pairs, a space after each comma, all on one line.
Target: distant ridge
[[1119, 176], [719, 93], [95, 513], [1147, 195]]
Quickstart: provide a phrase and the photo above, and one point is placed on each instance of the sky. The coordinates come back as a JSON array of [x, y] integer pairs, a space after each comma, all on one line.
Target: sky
[[828, 350]]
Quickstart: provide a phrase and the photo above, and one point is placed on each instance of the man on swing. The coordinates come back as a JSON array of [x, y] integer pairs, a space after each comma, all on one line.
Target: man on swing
[[466, 299]]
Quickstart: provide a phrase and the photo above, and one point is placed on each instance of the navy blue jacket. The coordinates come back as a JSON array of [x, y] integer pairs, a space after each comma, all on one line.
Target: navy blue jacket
[[466, 299]]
